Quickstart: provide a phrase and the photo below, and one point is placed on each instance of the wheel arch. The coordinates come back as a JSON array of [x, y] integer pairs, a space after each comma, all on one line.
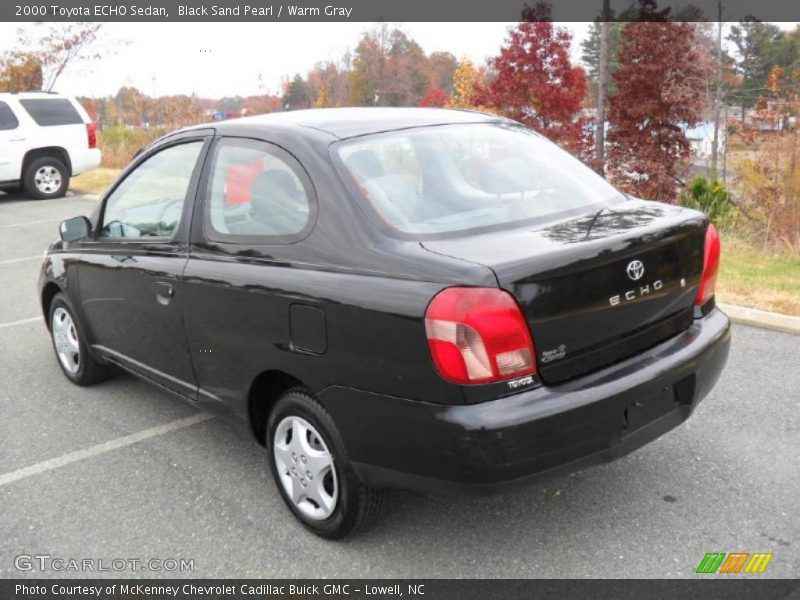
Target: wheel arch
[[48, 293], [265, 390], [54, 151]]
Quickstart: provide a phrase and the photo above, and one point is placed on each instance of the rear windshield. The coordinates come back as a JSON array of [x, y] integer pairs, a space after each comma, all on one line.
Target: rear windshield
[[48, 112], [458, 178]]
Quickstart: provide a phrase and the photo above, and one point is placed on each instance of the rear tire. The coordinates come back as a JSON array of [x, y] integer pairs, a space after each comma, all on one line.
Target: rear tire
[[46, 177], [341, 503], [70, 347]]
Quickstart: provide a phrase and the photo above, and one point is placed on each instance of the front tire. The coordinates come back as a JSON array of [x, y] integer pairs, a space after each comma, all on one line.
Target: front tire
[[46, 177], [70, 347], [312, 471]]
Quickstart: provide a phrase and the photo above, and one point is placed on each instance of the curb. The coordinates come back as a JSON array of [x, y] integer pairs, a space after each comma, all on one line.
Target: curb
[[761, 318]]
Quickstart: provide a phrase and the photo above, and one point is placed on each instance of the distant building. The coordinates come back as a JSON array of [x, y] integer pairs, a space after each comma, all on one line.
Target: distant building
[[776, 118], [218, 115], [701, 139]]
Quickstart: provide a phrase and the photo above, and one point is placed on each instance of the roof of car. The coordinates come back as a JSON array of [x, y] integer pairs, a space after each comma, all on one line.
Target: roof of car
[[350, 122]]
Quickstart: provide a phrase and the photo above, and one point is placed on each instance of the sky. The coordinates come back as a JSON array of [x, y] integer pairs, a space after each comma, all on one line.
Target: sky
[[218, 59]]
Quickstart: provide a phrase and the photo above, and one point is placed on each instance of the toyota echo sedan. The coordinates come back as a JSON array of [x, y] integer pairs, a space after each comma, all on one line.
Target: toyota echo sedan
[[416, 298]]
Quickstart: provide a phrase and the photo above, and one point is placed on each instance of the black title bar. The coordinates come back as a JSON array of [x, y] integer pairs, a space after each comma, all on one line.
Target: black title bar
[[388, 10]]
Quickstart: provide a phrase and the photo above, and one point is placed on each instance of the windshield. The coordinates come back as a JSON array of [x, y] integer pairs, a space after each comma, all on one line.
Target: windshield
[[455, 178]]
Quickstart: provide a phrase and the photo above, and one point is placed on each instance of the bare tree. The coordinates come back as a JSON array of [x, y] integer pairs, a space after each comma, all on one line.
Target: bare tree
[[717, 95], [602, 90], [63, 45], [37, 62]]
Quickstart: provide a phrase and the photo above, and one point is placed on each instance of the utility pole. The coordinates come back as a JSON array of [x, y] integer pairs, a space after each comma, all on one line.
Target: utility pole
[[725, 151], [602, 91], [717, 95]]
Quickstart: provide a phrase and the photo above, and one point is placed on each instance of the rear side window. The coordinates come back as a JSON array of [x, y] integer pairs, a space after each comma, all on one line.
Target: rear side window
[[49, 112], [257, 193], [7, 118]]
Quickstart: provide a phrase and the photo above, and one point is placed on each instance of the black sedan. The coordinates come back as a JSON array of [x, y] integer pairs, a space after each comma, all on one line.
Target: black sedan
[[421, 298]]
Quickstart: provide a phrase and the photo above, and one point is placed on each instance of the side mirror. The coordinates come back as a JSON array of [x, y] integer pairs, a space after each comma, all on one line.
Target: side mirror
[[75, 228]]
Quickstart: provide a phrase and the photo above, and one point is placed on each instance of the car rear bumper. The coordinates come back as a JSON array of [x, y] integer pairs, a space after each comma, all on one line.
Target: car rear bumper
[[498, 444], [85, 160]]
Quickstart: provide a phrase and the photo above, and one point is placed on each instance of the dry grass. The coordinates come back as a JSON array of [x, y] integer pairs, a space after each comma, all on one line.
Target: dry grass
[[749, 276], [119, 144], [95, 181]]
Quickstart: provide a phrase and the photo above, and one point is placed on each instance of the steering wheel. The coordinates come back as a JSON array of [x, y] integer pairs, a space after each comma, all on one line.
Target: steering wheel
[[160, 219]]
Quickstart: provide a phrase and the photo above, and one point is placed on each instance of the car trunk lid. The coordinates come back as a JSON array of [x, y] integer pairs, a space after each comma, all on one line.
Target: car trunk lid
[[598, 287]]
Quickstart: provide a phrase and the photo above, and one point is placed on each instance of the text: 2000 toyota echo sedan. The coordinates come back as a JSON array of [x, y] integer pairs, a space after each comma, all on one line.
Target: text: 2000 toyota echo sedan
[[420, 298]]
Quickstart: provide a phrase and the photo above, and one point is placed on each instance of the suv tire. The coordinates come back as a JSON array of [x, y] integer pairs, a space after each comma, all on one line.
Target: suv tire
[[46, 177]]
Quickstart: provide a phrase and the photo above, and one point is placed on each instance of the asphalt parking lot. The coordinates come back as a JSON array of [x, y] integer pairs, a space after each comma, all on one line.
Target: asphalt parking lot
[[198, 489]]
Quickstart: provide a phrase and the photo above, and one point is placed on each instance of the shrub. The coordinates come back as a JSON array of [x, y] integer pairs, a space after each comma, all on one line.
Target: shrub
[[119, 143], [712, 198], [768, 181]]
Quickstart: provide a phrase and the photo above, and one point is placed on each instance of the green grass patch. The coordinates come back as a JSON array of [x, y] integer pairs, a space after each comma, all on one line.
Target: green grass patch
[[751, 276]]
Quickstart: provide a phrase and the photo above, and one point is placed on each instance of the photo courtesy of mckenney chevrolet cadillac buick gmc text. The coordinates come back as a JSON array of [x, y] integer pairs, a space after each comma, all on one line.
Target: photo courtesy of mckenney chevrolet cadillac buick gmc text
[[418, 298]]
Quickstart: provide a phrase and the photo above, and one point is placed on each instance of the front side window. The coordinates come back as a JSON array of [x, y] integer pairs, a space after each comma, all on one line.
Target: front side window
[[149, 201], [257, 193], [50, 112], [451, 179], [7, 118]]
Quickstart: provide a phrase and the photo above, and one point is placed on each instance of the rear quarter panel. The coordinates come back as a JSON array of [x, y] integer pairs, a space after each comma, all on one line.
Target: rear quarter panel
[[237, 318], [72, 138]]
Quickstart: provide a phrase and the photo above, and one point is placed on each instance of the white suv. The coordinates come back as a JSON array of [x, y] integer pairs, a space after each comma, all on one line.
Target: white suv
[[44, 140]]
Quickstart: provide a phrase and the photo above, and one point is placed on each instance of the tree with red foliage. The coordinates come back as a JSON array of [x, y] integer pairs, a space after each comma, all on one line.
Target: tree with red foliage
[[92, 108], [434, 96], [536, 83], [660, 86]]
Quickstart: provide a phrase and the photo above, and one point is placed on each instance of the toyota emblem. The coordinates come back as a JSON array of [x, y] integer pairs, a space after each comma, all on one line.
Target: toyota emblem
[[635, 270]]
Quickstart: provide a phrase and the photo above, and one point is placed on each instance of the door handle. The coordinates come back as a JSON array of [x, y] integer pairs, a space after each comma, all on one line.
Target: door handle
[[164, 292], [17, 140]]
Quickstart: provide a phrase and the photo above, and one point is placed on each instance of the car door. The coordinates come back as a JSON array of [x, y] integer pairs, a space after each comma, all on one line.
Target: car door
[[12, 144], [256, 206], [130, 272]]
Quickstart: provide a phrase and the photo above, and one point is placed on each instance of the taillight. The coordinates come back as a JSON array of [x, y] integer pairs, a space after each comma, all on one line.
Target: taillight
[[478, 335], [91, 135], [708, 280]]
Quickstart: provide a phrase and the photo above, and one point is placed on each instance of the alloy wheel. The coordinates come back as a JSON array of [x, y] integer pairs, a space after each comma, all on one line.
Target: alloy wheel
[[47, 179]]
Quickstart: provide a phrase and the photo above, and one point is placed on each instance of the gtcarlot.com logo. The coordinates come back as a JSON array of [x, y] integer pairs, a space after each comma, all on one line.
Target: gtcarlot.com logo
[[734, 562], [47, 562]]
